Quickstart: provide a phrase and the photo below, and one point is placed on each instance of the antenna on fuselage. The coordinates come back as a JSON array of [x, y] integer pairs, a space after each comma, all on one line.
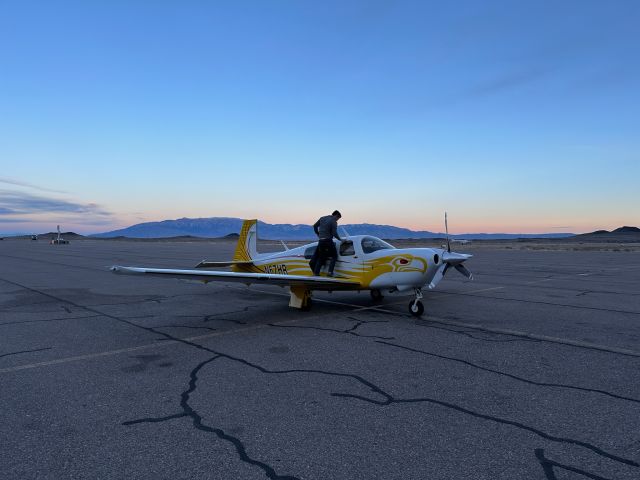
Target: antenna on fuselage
[[284, 245], [446, 228]]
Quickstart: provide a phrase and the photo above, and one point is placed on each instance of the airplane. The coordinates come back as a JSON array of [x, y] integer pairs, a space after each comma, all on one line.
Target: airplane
[[364, 263]]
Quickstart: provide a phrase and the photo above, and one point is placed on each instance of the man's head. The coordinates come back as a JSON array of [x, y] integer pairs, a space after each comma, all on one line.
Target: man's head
[[337, 214]]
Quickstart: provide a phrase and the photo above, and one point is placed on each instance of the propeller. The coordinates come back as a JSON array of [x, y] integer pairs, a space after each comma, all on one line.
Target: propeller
[[451, 259]]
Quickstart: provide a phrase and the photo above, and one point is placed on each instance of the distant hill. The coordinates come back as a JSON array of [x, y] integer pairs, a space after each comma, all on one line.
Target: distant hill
[[624, 234], [626, 229], [64, 235], [216, 227]]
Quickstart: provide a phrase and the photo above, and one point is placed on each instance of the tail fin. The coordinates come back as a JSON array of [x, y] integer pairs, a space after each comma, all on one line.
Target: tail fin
[[246, 250]]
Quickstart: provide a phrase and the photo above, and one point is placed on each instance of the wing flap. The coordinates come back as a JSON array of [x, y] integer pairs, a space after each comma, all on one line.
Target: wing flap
[[315, 283]]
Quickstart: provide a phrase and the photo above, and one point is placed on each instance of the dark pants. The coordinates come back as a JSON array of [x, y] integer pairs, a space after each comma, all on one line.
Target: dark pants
[[326, 251]]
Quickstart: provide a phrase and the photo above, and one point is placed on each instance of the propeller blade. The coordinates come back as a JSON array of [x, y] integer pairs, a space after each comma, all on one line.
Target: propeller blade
[[464, 271], [446, 228], [438, 276]]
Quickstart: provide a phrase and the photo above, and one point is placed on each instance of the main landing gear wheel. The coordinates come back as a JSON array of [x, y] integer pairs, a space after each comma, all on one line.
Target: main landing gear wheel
[[306, 306], [416, 308], [376, 295]]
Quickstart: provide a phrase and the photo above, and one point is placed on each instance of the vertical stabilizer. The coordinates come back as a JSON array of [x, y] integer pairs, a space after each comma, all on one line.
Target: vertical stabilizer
[[246, 250]]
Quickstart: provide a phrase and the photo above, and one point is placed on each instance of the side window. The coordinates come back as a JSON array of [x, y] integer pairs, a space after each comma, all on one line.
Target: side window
[[308, 253], [372, 244], [346, 248]]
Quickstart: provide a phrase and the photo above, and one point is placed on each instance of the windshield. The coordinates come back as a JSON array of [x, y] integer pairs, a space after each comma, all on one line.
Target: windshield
[[372, 244]]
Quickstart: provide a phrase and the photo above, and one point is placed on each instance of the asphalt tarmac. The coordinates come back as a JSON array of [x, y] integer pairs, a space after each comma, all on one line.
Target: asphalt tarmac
[[531, 371]]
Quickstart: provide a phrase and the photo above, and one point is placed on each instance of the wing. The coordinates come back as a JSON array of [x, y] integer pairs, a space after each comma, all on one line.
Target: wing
[[207, 264], [206, 276]]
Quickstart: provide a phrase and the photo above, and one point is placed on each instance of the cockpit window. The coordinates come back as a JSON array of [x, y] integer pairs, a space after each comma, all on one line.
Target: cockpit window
[[372, 244], [346, 248]]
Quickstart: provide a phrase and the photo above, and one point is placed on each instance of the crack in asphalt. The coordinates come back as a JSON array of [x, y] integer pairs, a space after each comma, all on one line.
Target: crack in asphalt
[[196, 418], [50, 320], [214, 316], [187, 326], [11, 309], [153, 298], [25, 351], [509, 375], [536, 337], [388, 399], [547, 466], [184, 402], [470, 335], [349, 331]]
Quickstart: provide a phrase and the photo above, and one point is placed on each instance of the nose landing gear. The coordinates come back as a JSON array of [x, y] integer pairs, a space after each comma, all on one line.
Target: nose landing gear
[[416, 308]]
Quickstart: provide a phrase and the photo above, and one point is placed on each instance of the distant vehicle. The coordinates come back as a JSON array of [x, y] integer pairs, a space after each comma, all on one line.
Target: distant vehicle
[[364, 263], [461, 241], [59, 240], [34, 237]]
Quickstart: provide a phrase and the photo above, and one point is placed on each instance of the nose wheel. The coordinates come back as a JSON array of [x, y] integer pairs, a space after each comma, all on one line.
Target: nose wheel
[[416, 308], [376, 295]]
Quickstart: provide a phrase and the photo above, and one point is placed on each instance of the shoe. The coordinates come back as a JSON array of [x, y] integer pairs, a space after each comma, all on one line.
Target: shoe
[[330, 274]]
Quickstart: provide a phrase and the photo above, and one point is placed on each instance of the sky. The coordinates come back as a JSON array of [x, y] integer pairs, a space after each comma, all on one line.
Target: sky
[[517, 117]]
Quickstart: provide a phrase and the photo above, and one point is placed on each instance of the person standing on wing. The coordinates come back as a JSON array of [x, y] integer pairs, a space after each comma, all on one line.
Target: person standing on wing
[[326, 228]]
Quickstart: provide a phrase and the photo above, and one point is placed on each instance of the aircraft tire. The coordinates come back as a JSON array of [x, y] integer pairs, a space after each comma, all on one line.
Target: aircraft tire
[[416, 308], [376, 295]]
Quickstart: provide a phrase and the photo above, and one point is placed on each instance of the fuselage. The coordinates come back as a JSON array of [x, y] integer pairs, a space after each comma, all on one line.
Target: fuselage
[[367, 260]]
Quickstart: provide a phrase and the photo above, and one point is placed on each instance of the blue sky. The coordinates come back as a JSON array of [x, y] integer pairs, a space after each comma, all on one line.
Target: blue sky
[[513, 116]]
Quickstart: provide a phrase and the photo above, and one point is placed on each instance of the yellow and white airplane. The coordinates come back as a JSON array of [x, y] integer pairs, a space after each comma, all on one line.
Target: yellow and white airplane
[[364, 263]]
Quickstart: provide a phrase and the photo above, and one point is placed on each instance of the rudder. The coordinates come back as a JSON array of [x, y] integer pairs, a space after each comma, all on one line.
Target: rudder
[[246, 250]]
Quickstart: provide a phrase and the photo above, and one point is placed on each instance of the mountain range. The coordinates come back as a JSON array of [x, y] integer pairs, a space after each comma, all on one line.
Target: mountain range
[[215, 227]]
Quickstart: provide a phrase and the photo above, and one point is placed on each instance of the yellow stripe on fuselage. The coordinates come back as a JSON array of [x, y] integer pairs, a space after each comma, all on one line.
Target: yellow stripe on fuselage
[[363, 273]]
